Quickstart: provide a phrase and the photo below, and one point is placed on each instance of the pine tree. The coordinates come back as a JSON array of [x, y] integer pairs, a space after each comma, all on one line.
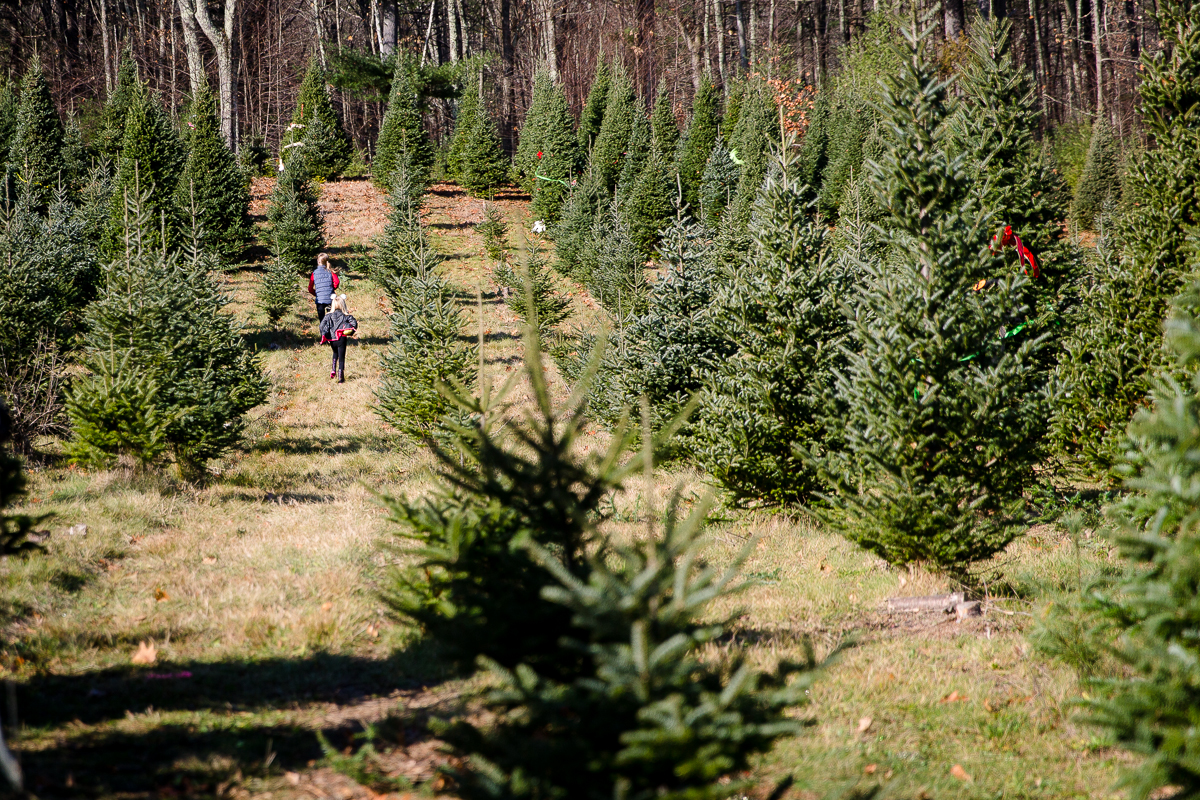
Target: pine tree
[[612, 142], [618, 278], [494, 231], [573, 232], [95, 201], [116, 108], [296, 226], [402, 132], [74, 156], [278, 290], [115, 414], [592, 116], [781, 310], [649, 205], [148, 173], [484, 166], [328, 151], [1115, 340], [8, 120], [1100, 182], [158, 319], [548, 154], [426, 353], [465, 112], [212, 184], [698, 142], [750, 145], [735, 93], [35, 164], [536, 302], [942, 411], [719, 185], [637, 152], [815, 150], [664, 129], [402, 250], [848, 124]]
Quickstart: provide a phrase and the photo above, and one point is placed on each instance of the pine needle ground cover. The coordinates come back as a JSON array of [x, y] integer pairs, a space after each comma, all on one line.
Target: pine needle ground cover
[[257, 592]]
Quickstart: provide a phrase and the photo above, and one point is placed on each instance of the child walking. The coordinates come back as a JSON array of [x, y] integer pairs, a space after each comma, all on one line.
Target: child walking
[[321, 284], [336, 328]]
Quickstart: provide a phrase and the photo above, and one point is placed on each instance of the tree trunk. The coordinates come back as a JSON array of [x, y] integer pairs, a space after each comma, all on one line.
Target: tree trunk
[[719, 20], [464, 41], [191, 43], [645, 12], [1098, 50], [953, 10], [387, 39], [452, 30], [744, 57], [108, 65], [221, 40]]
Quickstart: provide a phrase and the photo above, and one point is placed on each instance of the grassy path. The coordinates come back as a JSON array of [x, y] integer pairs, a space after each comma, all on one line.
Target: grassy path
[[259, 594]]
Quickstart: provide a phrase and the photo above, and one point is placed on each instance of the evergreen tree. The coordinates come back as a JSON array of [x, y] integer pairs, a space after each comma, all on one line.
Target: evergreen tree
[[111, 137], [426, 353], [648, 207], [942, 414], [156, 332], [698, 142], [548, 153], [664, 129], [848, 124], [484, 167], [494, 231], [780, 309], [328, 151], [1115, 341], [402, 132], [750, 145], [148, 173], [401, 249], [536, 302], [573, 232], [611, 145], [296, 226], [277, 291], [212, 185], [95, 201], [35, 163], [735, 93], [8, 120], [815, 147], [618, 278], [637, 152], [465, 113], [719, 185], [74, 156], [592, 116], [1100, 182]]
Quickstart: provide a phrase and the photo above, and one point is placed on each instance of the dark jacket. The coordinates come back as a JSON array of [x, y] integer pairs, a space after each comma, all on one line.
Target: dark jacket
[[334, 323]]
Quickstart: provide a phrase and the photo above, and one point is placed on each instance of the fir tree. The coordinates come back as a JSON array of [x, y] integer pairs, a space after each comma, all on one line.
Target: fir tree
[[8, 120], [611, 145], [942, 413], [573, 232], [698, 142], [735, 93], [115, 414], [592, 116], [401, 249], [1115, 342], [618, 279], [484, 166], [848, 124], [465, 112], [35, 163], [536, 302], [74, 156], [637, 152], [328, 151], [815, 147], [212, 184], [664, 129], [780, 308], [95, 199], [648, 207], [718, 186], [148, 173], [296, 226], [750, 145], [158, 319], [116, 108], [402, 132], [494, 231], [1100, 182], [277, 291], [548, 153]]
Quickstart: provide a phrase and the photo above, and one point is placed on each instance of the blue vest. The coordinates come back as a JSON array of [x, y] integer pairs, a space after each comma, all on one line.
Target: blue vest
[[323, 285]]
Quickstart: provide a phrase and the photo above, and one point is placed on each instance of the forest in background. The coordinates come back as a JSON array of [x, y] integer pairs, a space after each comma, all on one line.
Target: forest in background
[[1083, 54]]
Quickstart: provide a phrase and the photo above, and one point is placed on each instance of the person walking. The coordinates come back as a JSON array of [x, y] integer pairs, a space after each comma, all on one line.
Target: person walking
[[336, 328], [321, 285]]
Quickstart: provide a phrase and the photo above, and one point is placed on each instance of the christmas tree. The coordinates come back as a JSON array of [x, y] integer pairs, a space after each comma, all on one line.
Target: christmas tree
[[8, 120], [1100, 183], [781, 309], [152, 159], [211, 183], [1116, 341], [648, 206], [718, 186], [750, 145], [735, 92], [465, 112], [402, 133], [35, 164], [402, 248], [329, 151], [618, 277], [612, 142], [483, 166], [815, 147], [592, 116], [548, 154], [74, 156], [664, 130], [536, 302], [296, 226], [573, 232], [698, 142], [637, 152], [277, 292], [494, 231], [942, 411], [111, 137]]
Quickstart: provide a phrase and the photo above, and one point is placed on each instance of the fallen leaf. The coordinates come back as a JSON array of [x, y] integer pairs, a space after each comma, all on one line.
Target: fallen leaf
[[139, 618], [869, 769], [208, 560], [293, 778], [326, 606], [864, 724], [146, 653], [960, 773], [887, 776], [825, 567], [954, 697], [160, 595]]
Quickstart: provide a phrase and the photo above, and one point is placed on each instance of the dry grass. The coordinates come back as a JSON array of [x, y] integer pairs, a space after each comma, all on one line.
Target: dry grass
[[262, 585]]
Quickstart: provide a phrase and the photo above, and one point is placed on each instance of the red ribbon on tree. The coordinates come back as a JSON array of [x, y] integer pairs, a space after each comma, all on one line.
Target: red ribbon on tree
[[1028, 263]]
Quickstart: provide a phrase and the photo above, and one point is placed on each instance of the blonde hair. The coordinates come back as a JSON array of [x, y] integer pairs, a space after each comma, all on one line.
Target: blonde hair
[[339, 302], [323, 259]]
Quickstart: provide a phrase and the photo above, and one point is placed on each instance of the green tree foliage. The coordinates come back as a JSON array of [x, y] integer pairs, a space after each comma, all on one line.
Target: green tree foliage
[[664, 129], [780, 308], [698, 142], [212, 185], [617, 277], [719, 185], [548, 130], [942, 410], [494, 231], [815, 147], [573, 232], [592, 116], [482, 166], [148, 173], [756, 134], [296, 226], [74, 156], [35, 163], [156, 332], [1100, 182], [735, 93], [8, 120], [278, 290], [848, 123], [402, 133], [649, 205], [327, 150], [465, 112], [111, 137], [402, 250], [1115, 342], [427, 352], [637, 153], [610, 148], [536, 302]]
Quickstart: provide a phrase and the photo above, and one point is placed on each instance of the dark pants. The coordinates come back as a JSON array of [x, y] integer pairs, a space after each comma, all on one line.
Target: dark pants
[[321, 307], [339, 354]]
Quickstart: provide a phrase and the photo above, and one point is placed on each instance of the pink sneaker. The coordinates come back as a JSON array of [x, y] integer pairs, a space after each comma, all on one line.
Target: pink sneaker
[[332, 374]]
